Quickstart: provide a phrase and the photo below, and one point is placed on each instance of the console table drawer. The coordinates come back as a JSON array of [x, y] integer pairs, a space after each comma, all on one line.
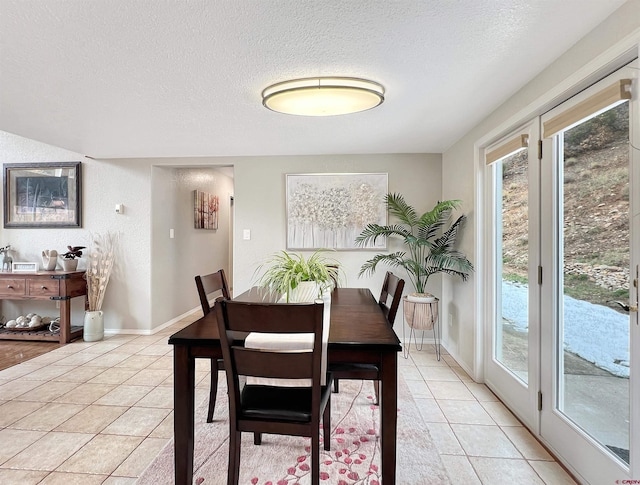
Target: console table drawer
[[13, 287], [44, 288]]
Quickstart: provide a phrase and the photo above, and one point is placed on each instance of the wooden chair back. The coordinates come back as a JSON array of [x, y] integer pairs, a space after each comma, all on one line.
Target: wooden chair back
[[392, 286], [211, 283]]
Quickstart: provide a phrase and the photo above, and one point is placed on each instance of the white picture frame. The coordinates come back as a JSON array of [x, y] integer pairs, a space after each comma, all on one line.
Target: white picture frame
[[24, 267], [329, 210]]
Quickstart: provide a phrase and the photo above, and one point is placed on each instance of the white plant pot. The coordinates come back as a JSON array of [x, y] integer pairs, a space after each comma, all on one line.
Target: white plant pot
[[421, 297], [93, 326], [69, 264], [306, 291]]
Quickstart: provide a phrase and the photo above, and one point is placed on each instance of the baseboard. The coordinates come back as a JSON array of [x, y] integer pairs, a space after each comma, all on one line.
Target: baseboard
[[131, 331]]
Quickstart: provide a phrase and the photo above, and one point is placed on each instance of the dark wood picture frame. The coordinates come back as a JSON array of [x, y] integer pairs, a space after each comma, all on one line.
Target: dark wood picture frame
[[42, 195]]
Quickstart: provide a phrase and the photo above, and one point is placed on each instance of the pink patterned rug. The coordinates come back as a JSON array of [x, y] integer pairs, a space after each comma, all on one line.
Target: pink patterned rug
[[283, 460]]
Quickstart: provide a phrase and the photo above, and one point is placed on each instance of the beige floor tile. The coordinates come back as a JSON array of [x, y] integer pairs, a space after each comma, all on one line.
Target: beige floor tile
[[156, 349], [141, 457], [81, 374], [424, 358], [552, 473], [464, 412], [21, 477], [419, 389], [461, 373], [138, 361], [77, 359], [108, 360], [86, 393], [92, 419], [124, 395], [137, 422], [102, 347], [439, 373], [20, 370], [481, 392], [49, 451], [430, 411], [120, 481], [12, 411], [164, 429], [47, 392], [460, 470], [444, 439], [102, 455], [160, 397], [15, 440], [450, 390], [526, 444], [61, 478], [48, 358], [165, 362], [500, 414], [114, 375], [130, 348], [17, 387], [487, 441], [48, 417], [500, 471], [48, 372], [148, 377]]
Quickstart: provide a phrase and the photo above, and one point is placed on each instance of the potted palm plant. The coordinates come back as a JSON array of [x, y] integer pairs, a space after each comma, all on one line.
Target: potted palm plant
[[299, 278], [430, 246]]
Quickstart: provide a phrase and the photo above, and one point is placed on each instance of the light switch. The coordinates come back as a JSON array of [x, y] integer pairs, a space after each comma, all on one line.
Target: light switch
[[119, 209], [171, 234], [246, 234]]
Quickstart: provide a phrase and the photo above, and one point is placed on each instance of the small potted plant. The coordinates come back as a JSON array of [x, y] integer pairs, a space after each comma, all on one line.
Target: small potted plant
[[300, 279], [69, 261]]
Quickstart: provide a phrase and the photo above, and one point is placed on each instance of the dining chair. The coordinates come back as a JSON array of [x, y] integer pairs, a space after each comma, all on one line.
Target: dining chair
[[268, 408], [391, 287], [214, 283]]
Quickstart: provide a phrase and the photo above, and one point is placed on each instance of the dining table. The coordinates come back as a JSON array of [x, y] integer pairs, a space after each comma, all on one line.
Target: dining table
[[359, 333]]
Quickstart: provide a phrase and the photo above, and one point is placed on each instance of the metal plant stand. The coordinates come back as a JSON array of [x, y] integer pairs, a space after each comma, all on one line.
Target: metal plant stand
[[421, 316]]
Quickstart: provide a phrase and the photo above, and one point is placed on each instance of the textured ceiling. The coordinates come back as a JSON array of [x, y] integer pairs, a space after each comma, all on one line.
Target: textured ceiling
[[123, 78]]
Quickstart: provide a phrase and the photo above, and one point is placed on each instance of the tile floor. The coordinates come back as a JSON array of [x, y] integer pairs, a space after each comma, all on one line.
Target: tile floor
[[99, 412]]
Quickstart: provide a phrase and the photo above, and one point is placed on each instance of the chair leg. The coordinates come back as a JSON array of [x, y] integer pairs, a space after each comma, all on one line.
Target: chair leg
[[376, 389], [257, 438], [235, 442], [213, 391], [335, 385], [315, 456], [326, 425]]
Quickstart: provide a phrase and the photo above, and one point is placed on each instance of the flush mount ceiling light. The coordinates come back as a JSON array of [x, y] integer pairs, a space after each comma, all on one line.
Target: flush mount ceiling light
[[323, 96]]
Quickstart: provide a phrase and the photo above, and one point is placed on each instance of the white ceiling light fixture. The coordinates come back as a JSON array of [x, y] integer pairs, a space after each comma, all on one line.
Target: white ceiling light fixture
[[323, 96]]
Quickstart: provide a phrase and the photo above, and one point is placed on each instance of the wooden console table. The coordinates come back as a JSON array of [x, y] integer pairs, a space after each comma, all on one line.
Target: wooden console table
[[60, 286]]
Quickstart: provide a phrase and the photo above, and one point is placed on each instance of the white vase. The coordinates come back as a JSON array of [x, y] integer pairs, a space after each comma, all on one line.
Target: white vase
[[93, 326], [306, 291]]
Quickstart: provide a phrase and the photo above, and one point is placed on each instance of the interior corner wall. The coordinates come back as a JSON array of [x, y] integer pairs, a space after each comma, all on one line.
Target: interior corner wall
[[176, 261], [461, 176]]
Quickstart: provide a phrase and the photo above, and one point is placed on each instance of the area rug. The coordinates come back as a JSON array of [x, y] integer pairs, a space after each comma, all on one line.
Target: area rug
[[283, 460]]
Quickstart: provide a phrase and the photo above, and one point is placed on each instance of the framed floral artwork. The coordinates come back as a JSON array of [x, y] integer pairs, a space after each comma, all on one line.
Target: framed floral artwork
[[205, 210], [330, 210]]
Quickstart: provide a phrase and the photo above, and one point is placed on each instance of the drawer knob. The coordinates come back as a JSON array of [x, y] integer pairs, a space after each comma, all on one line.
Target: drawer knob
[[10, 287], [43, 287]]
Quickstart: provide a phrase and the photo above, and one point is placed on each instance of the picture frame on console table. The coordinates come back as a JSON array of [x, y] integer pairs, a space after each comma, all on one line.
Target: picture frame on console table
[[41, 195]]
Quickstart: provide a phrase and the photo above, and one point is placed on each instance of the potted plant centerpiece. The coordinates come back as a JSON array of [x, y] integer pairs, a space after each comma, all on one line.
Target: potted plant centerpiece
[[297, 278], [430, 246], [99, 269], [69, 261]]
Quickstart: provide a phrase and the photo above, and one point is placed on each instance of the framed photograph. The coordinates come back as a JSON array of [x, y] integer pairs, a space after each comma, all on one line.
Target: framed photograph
[[25, 267], [42, 195], [330, 210], [205, 210]]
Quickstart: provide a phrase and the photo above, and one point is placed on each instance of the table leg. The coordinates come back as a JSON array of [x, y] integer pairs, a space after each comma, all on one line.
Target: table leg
[[389, 416], [65, 320], [183, 419]]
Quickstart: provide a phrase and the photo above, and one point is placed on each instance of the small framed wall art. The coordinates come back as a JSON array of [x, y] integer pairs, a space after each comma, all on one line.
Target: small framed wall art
[[205, 210], [41, 195]]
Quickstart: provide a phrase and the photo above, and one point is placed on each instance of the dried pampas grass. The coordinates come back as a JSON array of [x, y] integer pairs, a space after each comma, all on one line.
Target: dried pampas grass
[[100, 266]]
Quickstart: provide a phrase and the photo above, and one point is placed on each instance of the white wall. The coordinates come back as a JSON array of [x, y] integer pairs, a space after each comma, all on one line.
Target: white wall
[[153, 280], [600, 50]]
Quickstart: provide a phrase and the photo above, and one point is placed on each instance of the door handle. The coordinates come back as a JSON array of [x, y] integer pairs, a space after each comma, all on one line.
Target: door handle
[[624, 306]]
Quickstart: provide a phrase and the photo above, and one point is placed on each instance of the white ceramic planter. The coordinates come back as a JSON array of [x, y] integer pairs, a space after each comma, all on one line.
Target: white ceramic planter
[[421, 297], [93, 326], [306, 291]]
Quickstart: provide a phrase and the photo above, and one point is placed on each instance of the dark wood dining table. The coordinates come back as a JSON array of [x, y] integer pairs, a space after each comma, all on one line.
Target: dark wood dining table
[[359, 333]]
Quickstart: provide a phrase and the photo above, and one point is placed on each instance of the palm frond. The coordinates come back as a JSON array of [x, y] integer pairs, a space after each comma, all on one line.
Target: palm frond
[[372, 232], [399, 208]]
